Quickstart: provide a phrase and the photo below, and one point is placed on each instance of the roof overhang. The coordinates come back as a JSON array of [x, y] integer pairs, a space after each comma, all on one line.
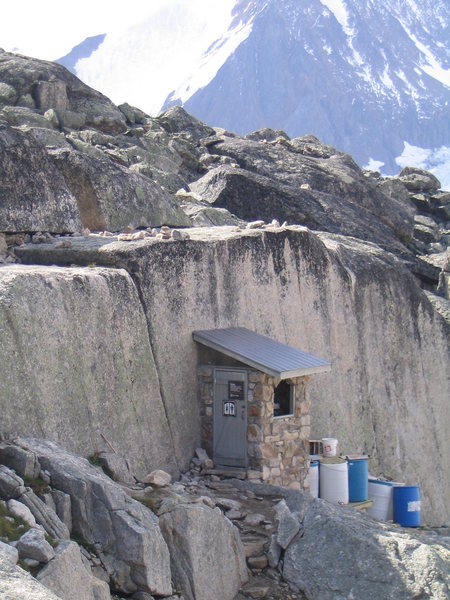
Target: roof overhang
[[261, 352]]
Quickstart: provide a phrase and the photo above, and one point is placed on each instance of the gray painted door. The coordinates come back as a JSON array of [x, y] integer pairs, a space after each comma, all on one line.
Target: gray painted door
[[230, 418]]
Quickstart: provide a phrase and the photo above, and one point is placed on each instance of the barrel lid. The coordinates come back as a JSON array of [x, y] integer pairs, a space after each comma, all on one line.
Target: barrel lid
[[356, 457], [381, 482], [332, 460]]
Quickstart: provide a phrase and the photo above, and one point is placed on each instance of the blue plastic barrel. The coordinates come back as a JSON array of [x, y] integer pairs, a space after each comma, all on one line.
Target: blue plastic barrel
[[358, 479], [407, 505]]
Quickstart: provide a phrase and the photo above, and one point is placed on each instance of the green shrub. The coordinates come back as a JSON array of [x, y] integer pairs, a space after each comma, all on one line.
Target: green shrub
[[11, 527]]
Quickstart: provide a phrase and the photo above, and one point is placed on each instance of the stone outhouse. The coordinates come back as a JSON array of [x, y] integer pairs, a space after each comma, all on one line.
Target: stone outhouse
[[254, 404]]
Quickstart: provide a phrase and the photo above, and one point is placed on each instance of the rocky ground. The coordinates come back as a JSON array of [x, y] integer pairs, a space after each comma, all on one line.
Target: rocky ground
[[57, 521]]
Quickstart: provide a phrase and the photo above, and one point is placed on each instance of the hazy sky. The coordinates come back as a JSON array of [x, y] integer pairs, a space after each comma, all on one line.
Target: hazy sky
[[49, 29]]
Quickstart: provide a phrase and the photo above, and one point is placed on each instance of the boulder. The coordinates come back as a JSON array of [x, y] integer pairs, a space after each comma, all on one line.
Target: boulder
[[18, 509], [34, 545], [207, 216], [326, 194], [33, 193], [132, 114], [288, 525], [116, 466], [53, 86], [20, 116], [274, 552], [44, 515], [11, 486], [206, 553], [419, 180], [157, 478], [19, 460], [51, 94], [333, 193], [177, 120], [8, 94], [111, 197], [345, 554], [68, 577], [266, 134], [8, 554], [125, 532]]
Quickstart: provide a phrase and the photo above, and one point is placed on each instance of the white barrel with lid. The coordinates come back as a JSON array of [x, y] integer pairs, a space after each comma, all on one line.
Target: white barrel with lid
[[334, 480]]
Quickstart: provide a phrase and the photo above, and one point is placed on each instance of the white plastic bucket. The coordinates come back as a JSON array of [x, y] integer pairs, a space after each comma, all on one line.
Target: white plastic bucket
[[329, 446], [314, 478], [334, 482]]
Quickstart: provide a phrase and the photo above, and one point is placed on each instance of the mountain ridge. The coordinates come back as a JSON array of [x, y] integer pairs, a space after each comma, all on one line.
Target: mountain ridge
[[403, 91]]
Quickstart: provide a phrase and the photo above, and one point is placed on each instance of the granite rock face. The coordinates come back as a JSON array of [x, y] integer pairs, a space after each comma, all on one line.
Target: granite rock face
[[335, 297], [79, 365]]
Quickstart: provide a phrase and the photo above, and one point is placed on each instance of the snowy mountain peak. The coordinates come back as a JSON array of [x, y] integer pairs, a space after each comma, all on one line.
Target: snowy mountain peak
[[369, 77]]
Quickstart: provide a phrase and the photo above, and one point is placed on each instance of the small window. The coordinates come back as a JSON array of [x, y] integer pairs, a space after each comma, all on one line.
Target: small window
[[283, 400]]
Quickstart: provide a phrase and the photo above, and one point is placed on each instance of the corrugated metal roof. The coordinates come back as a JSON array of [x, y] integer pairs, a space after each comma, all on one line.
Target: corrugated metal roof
[[261, 352]]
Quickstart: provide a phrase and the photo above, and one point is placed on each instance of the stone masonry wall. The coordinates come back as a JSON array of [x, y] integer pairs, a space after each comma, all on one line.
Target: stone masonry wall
[[279, 446], [205, 376]]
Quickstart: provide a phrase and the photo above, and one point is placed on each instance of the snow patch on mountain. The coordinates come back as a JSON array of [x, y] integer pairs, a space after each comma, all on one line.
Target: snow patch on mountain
[[433, 68], [211, 61], [142, 64], [339, 10], [374, 165]]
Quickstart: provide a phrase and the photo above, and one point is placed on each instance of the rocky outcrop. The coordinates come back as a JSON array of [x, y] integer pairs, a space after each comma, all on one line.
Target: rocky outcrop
[[44, 86], [363, 559], [17, 584], [335, 297], [123, 543], [53, 187], [59, 179], [338, 552], [124, 533], [302, 181], [78, 366]]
